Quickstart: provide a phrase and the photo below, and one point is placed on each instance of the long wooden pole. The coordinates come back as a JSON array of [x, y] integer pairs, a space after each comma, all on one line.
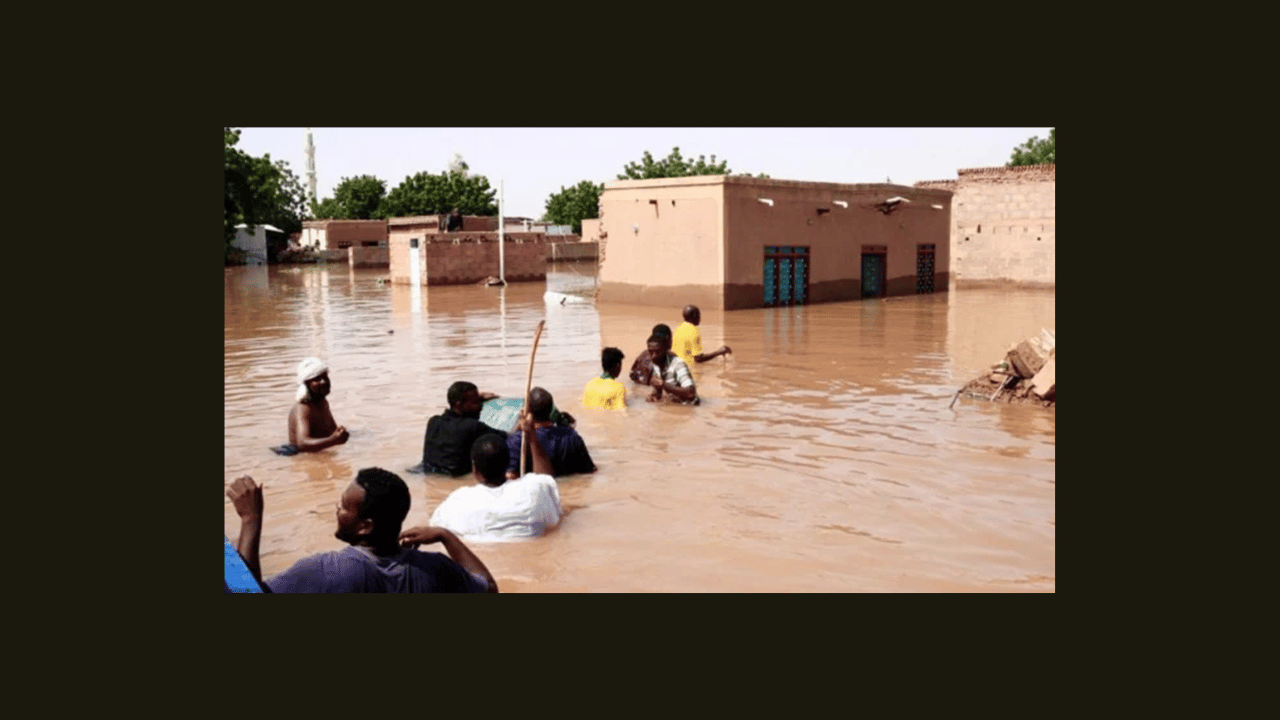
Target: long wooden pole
[[528, 385]]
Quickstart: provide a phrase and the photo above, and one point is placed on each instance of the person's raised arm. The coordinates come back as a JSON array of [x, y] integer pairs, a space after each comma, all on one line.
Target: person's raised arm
[[541, 463], [461, 554], [246, 496]]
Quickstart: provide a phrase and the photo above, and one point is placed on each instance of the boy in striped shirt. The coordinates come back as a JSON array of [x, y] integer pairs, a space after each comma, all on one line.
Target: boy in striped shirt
[[670, 374]]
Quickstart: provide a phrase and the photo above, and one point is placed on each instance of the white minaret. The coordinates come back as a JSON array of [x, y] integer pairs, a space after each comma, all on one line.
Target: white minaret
[[311, 167]]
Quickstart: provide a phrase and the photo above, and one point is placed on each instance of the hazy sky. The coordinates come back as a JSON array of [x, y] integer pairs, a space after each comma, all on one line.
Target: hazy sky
[[536, 162]]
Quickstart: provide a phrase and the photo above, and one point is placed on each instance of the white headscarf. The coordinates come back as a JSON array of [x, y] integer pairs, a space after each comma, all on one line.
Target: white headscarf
[[309, 369]]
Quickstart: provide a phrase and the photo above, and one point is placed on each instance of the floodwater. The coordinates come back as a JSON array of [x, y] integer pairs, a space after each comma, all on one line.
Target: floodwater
[[824, 457]]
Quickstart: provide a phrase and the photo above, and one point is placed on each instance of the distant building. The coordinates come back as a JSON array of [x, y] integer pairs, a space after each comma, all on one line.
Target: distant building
[[254, 244], [728, 242], [341, 234], [421, 254]]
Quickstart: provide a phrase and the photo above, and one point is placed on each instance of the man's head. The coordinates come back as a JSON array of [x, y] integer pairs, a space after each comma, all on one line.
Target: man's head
[[372, 508], [489, 459], [464, 399], [313, 379], [658, 347], [611, 361], [692, 314], [540, 404], [662, 329]]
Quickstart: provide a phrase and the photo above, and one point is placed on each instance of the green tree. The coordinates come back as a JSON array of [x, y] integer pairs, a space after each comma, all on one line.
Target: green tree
[[429, 194], [672, 165], [573, 205], [360, 196], [279, 196], [257, 191], [326, 209], [1036, 151], [238, 193]]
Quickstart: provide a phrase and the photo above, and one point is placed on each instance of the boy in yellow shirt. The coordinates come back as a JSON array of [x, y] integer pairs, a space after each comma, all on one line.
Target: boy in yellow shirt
[[605, 392]]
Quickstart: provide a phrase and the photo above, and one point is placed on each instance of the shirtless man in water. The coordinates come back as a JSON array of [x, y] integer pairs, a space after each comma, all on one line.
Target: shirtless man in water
[[311, 425]]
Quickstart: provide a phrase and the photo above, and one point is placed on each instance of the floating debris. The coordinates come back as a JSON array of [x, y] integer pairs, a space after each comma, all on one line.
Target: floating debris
[[1026, 376]]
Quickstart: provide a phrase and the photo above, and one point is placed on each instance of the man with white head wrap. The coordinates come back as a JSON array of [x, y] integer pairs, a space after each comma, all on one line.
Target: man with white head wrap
[[311, 424]]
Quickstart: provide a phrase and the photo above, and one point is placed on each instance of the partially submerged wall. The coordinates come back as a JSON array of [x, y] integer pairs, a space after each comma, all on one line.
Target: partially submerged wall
[[459, 258], [664, 242], [837, 223], [363, 257]]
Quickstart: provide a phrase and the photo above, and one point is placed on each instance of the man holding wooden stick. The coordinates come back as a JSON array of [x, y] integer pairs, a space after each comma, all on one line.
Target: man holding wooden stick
[[495, 508]]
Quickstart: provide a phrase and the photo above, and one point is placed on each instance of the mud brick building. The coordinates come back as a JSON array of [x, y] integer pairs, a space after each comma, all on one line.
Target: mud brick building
[[729, 243]]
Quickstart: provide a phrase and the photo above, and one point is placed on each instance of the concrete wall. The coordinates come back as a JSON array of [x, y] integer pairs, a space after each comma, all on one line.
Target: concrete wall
[[591, 230], [1003, 227], [668, 252], [472, 259], [360, 257], [835, 237]]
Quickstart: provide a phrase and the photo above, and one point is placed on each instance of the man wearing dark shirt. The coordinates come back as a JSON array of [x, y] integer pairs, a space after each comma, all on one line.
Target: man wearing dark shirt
[[446, 447], [564, 446], [379, 558]]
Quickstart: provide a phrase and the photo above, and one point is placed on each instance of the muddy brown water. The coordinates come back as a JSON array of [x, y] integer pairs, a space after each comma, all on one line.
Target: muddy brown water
[[824, 457]]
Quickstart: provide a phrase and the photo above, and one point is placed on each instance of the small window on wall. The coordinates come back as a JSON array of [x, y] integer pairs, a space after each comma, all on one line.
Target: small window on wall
[[413, 243]]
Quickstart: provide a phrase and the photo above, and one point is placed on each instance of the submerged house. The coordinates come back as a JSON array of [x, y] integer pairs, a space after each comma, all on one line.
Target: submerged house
[[729, 243], [342, 234], [422, 254]]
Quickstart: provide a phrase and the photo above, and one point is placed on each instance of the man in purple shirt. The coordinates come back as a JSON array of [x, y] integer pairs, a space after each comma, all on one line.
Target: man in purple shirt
[[563, 445], [379, 557]]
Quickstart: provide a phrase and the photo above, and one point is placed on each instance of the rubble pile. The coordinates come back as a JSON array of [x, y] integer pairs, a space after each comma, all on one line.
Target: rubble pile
[[1025, 376]]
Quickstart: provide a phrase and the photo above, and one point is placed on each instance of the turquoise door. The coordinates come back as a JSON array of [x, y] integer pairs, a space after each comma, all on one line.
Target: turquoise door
[[786, 275], [872, 275]]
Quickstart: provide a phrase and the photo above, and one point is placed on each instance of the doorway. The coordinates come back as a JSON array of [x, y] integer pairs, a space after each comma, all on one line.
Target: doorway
[[786, 275], [924, 267], [873, 264]]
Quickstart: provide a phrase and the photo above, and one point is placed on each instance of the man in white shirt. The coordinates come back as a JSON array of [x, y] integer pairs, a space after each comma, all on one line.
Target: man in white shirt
[[496, 508]]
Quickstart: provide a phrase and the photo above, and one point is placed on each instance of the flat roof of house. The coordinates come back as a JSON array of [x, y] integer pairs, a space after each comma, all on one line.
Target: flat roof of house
[[769, 183]]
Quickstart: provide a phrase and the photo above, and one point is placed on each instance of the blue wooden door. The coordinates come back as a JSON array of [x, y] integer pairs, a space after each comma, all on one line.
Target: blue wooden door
[[872, 275], [786, 275]]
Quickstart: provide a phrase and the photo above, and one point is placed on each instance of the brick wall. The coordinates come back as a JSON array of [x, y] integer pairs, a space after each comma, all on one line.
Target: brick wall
[[472, 258], [1002, 225], [369, 257]]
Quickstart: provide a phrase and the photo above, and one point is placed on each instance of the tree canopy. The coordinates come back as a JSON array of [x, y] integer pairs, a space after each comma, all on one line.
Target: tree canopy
[[257, 191], [673, 165], [573, 205], [357, 198], [428, 194], [1036, 151]]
